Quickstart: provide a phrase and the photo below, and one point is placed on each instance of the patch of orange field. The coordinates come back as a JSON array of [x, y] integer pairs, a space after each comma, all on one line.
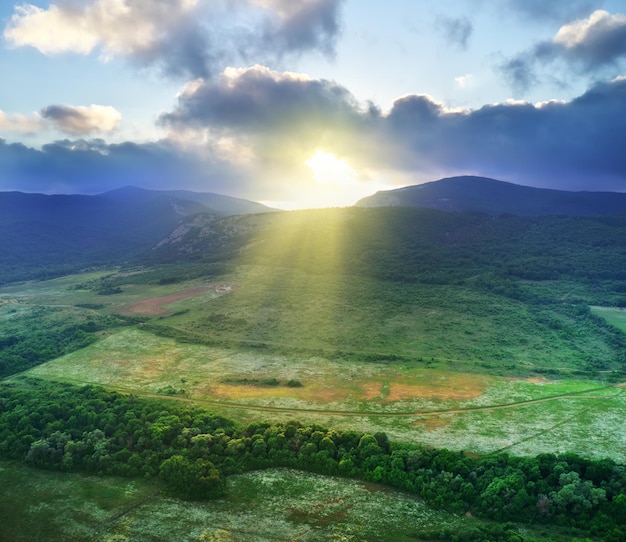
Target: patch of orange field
[[154, 306], [432, 423], [468, 388], [311, 393], [371, 390]]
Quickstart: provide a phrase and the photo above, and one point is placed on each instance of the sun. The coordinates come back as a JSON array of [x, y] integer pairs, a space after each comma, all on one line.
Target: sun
[[329, 170], [333, 182]]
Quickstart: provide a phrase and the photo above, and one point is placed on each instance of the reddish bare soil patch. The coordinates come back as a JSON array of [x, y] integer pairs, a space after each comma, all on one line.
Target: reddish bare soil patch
[[372, 390], [402, 392], [154, 306]]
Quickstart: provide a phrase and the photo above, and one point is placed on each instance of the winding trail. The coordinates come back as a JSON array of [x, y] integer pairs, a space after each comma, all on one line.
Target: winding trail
[[583, 395]]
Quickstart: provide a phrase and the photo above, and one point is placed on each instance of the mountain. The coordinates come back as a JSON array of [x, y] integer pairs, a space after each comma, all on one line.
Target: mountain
[[44, 235], [480, 194], [219, 204], [408, 244]]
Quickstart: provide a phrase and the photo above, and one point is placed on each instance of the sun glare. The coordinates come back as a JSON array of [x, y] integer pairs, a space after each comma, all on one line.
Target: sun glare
[[328, 169], [335, 184]]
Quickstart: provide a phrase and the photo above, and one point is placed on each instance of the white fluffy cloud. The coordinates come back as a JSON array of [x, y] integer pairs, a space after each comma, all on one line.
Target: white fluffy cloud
[[81, 120], [118, 26], [592, 45], [186, 38], [599, 39], [21, 124]]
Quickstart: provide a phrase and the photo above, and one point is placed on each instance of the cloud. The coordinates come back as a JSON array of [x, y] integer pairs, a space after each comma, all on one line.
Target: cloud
[[274, 120], [94, 166], [184, 37], [20, 124], [260, 99], [542, 10], [456, 30], [278, 120], [300, 26], [591, 43], [588, 46], [568, 145], [251, 133], [465, 81], [519, 73], [80, 120]]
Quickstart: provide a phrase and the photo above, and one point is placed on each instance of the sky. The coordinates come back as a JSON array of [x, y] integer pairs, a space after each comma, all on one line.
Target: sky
[[310, 103]]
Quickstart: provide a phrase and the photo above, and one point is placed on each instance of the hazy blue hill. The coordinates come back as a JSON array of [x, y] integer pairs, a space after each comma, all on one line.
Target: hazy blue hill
[[217, 203], [480, 194], [42, 235]]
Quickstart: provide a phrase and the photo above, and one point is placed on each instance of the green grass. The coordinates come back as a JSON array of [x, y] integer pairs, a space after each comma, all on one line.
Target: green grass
[[613, 315], [44, 506], [268, 505], [410, 402], [371, 355], [293, 309]]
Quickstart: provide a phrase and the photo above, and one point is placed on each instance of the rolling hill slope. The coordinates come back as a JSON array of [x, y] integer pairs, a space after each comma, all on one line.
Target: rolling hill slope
[[480, 194], [43, 235]]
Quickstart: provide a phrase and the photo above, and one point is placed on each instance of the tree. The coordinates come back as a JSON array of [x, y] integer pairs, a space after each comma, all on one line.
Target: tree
[[191, 480]]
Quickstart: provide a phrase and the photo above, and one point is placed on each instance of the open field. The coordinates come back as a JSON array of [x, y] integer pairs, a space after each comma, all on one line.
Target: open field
[[342, 316], [410, 402], [472, 361], [616, 316], [156, 306], [275, 505], [442, 401]]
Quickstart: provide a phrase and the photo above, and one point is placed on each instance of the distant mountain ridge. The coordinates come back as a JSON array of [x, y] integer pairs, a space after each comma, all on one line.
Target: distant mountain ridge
[[481, 194], [44, 235], [219, 204]]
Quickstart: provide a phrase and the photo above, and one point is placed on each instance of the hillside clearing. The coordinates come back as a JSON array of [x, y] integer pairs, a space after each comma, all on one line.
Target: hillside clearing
[[475, 413]]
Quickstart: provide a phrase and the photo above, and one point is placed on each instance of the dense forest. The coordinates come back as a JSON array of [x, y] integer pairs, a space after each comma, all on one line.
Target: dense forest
[[191, 450]]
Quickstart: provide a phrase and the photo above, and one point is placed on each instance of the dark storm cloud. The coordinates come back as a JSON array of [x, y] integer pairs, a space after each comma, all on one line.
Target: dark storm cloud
[[586, 46], [186, 38], [456, 30], [257, 99], [575, 145], [93, 166], [272, 122]]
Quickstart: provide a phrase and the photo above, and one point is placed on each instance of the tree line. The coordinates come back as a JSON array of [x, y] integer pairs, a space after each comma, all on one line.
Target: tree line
[[192, 450]]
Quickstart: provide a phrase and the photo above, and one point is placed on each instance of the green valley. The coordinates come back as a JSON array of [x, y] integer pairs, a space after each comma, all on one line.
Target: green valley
[[496, 338]]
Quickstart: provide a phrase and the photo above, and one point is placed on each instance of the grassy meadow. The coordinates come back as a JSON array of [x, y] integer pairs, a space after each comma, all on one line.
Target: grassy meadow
[[278, 504], [412, 369], [616, 316]]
